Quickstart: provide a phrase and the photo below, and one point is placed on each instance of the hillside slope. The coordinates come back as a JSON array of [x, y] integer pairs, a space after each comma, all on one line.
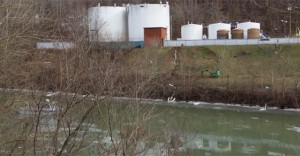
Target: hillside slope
[[249, 74]]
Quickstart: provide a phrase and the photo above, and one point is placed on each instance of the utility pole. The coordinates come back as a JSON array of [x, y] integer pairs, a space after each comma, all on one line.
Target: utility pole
[[290, 22], [284, 22]]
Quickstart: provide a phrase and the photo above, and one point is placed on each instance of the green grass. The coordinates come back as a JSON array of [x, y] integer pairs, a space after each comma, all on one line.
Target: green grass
[[258, 64]]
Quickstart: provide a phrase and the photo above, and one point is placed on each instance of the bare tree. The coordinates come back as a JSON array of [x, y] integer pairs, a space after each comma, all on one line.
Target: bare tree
[[83, 80]]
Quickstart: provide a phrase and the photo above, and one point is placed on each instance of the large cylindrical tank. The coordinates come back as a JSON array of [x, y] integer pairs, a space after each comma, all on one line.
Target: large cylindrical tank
[[213, 29], [107, 23], [253, 33], [237, 34], [191, 32], [142, 16], [248, 25], [222, 34]]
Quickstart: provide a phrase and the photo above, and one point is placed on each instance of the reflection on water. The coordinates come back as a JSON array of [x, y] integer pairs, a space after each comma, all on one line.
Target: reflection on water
[[222, 144], [295, 129], [49, 129], [219, 131], [206, 131]]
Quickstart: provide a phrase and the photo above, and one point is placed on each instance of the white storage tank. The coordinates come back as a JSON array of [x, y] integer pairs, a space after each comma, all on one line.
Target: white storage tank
[[191, 32], [214, 28], [107, 23], [142, 16], [248, 25]]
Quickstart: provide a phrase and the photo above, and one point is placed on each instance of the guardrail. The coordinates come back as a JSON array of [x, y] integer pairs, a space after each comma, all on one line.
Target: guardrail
[[177, 43], [55, 45]]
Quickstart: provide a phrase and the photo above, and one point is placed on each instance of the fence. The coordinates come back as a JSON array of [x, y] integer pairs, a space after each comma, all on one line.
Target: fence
[[177, 43]]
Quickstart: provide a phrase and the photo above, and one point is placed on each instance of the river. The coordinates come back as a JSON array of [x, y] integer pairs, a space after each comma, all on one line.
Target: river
[[222, 130], [208, 129]]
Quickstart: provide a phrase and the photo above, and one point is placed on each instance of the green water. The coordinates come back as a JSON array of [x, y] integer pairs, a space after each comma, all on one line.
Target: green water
[[219, 131], [205, 130]]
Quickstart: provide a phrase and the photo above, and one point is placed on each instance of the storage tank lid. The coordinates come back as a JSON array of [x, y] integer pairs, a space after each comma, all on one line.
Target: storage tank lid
[[192, 25]]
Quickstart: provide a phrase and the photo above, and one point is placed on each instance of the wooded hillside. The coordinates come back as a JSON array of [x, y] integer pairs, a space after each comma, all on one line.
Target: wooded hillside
[[274, 15]]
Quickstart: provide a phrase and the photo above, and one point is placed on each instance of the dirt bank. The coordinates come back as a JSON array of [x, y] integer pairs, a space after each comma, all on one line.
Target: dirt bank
[[251, 75], [197, 91]]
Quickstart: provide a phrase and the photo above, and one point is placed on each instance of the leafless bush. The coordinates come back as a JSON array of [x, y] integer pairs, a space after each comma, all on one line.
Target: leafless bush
[[83, 81]]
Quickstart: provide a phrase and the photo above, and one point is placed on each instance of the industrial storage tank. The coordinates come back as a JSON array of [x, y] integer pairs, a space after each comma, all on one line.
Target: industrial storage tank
[[248, 25], [213, 29], [253, 33], [107, 23], [222, 34], [191, 32], [237, 34], [142, 16]]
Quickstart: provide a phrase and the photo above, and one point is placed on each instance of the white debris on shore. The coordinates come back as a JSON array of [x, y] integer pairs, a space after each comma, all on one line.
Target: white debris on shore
[[160, 101]]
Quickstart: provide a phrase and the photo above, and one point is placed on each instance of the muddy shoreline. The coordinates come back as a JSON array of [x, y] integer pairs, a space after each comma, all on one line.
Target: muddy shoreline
[[231, 95], [280, 100], [164, 86]]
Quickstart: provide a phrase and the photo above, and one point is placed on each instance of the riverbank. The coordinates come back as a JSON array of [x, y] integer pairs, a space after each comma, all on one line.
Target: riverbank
[[250, 75], [162, 102], [199, 91]]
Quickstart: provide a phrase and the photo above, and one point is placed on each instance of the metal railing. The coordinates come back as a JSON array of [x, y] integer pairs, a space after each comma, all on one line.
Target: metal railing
[[177, 43]]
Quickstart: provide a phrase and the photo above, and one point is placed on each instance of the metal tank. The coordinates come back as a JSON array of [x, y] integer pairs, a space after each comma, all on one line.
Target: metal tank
[[142, 16], [237, 34], [213, 29], [191, 32], [253, 33], [248, 25], [222, 34], [107, 23]]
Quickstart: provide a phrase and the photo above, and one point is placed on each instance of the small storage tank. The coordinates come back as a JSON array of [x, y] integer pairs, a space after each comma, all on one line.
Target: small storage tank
[[248, 25], [107, 23], [222, 34], [213, 29], [253, 33], [142, 16], [237, 34], [191, 32]]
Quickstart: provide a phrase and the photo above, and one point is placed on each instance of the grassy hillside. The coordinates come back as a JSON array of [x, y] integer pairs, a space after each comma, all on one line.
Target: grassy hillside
[[242, 67], [250, 74]]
